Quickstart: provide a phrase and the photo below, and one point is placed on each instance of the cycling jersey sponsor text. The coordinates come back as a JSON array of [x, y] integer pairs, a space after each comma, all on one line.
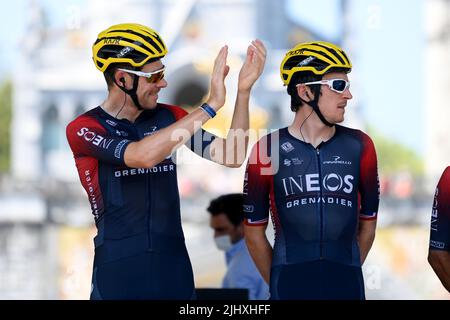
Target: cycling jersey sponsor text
[[94, 138]]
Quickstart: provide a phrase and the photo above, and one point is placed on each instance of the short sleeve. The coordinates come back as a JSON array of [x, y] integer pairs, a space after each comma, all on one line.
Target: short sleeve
[[88, 138], [440, 214], [369, 190], [258, 183]]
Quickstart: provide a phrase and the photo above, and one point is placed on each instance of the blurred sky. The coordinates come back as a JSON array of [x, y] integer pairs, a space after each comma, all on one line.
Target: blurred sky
[[387, 39]]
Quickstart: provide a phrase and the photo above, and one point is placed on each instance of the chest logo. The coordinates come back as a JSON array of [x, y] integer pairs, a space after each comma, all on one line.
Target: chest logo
[[287, 147]]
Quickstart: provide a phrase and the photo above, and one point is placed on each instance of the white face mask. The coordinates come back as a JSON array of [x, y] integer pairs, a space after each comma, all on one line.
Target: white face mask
[[223, 242]]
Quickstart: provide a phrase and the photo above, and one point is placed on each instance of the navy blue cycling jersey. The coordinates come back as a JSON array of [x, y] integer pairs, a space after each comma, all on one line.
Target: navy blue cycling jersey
[[316, 196], [440, 215], [136, 210]]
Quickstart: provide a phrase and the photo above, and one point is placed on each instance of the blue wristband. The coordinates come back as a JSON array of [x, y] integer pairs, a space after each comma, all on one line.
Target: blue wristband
[[207, 108]]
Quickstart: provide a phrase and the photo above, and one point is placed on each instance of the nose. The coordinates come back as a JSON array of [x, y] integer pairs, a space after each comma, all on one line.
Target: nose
[[347, 94], [162, 83]]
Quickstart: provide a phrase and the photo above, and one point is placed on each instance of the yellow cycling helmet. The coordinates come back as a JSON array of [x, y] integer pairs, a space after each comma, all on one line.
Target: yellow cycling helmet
[[318, 57], [127, 43]]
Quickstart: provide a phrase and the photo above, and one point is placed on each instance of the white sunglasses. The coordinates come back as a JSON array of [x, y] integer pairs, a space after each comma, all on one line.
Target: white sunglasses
[[336, 85]]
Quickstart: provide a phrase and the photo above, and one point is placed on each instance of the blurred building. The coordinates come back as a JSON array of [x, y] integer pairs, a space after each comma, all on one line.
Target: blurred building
[[437, 86]]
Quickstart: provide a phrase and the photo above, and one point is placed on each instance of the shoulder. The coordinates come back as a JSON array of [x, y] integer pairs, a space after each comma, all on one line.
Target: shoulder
[[176, 111], [262, 149], [446, 173], [88, 120], [445, 178], [351, 132], [266, 141], [357, 135]]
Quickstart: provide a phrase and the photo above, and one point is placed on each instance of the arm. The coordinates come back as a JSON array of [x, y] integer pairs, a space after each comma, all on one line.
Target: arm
[[232, 151], [440, 262], [366, 235], [259, 248], [439, 248], [153, 149], [257, 187], [369, 193]]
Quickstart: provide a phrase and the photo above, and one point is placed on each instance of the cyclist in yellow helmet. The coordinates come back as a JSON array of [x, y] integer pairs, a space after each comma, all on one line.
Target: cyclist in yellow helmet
[[319, 181], [123, 149]]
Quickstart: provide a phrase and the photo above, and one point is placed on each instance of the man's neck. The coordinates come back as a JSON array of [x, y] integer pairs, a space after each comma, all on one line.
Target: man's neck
[[121, 106], [313, 130]]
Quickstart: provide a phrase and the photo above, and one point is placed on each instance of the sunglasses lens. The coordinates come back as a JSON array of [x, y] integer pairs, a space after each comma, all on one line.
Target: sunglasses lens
[[156, 77], [339, 85]]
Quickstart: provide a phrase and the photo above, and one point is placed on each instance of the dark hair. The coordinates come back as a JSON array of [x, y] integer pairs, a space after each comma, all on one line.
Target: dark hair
[[297, 78], [231, 205]]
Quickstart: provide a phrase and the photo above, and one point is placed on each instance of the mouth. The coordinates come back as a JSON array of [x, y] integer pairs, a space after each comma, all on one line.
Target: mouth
[[342, 106], [154, 96]]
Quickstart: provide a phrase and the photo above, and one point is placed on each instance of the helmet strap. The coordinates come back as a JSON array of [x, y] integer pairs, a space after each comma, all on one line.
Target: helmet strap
[[132, 92], [314, 104]]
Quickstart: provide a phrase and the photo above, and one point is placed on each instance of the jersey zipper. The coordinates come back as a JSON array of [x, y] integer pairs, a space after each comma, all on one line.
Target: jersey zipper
[[150, 212], [149, 206], [320, 202]]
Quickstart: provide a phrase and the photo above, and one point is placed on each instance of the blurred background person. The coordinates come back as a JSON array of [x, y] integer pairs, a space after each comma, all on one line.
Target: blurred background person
[[439, 250], [226, 219]]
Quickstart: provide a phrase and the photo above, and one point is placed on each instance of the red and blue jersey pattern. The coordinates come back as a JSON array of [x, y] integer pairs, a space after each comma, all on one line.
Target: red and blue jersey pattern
[[440, 214], [316, 196], [130, 203]]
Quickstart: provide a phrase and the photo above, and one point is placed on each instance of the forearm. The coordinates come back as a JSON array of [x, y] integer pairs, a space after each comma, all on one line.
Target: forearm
[[238, 136], [440, 262], [261, 252], [153, 149], [232, 151], [366, 237], [365, 243]]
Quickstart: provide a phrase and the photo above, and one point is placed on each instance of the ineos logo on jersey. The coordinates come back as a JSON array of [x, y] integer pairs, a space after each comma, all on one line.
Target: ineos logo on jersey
[[95, 139], [310, 182], [435, 212], [435, 202]]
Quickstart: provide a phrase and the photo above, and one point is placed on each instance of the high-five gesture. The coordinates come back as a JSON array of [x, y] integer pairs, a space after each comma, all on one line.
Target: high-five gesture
[[232, 150], [253, 65], [220, 71]]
